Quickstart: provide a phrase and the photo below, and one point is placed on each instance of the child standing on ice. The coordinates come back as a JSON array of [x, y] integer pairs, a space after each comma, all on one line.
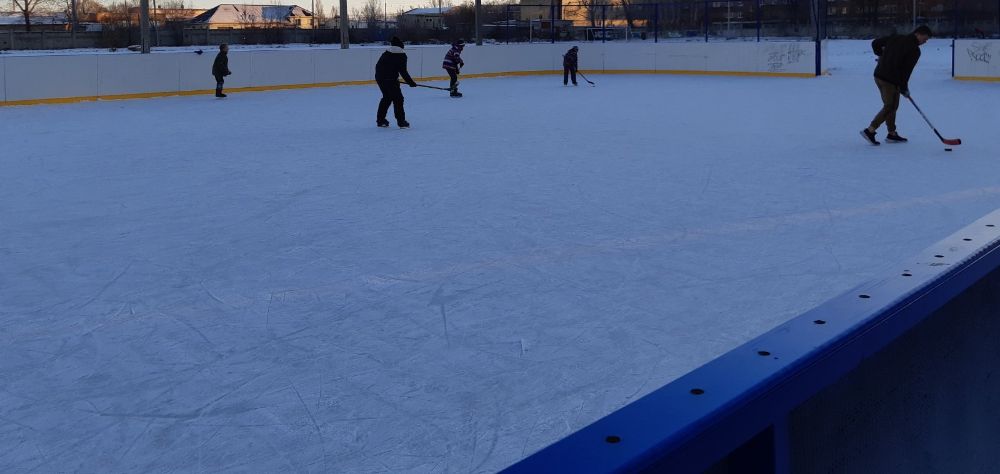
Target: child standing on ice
[[569, 65], [220, 68], [453, 64], [391, 65]]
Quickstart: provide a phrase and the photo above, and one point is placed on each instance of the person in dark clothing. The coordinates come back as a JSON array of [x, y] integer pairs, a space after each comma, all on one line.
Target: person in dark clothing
[[220, 68], [570, 65], [897, 56], [391, 65], [453, 64]]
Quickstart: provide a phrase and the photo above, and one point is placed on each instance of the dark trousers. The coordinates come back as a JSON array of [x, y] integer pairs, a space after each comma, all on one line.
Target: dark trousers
[[890, 103], [453, 74], [219, 81], [391, 94], [568, 72]]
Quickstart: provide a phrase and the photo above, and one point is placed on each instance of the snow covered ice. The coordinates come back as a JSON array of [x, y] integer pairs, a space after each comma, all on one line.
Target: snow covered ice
[[269, 283]]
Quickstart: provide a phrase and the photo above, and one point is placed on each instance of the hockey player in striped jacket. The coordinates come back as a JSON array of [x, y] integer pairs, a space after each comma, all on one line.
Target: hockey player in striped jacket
[[453, 64]]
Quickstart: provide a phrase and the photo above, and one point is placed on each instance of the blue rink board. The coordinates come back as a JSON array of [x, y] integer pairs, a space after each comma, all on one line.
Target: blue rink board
[[732, 414]]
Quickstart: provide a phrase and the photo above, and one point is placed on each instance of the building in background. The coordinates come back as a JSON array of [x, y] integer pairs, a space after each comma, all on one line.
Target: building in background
[[424, 18], [229, 16]]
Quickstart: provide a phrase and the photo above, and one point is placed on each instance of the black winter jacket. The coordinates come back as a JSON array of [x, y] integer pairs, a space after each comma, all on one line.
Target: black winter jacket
[[221, 65], [570, 59], [898, 55], [391, 65]]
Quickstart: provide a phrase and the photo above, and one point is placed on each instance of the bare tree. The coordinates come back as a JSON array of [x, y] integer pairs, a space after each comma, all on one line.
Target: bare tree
[[370, 13], [629, 10], [83, 8], [247, 17], [319, 14], [28, 8]]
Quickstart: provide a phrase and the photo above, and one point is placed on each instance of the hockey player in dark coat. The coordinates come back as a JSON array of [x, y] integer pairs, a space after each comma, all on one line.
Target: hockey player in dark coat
[[897, 56], [570, 65], [453, 64], [388, 70], [220, 68]]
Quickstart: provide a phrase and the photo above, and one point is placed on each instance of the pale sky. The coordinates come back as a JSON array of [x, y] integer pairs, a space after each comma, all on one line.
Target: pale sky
[[394, 5]]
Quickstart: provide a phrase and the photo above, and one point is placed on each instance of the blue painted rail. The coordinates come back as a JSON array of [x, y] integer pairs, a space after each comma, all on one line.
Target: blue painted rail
[[733, 414]]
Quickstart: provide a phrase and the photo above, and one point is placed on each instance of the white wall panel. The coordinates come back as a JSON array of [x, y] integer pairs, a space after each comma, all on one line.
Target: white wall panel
[[50, 77], [3, 87], [629, 57], [342, 65], [681, 56], [136, 73], [43, 77], [977, 58], [273, 68]]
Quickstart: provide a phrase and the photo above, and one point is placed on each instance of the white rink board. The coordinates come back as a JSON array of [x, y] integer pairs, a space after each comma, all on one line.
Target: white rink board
[[977, 59], [344, 65], [32, 78], [50, 77], [136, 74], [275, 68]]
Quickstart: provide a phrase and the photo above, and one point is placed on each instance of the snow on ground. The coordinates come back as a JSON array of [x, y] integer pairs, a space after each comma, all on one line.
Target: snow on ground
[[271, 284]]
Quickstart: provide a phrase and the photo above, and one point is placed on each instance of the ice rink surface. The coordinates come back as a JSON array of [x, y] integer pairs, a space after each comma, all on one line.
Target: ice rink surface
[[269, 283]]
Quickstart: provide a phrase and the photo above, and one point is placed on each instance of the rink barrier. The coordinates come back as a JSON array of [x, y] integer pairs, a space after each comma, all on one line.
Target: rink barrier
[[896, 375], [57, 79], [976, 60]]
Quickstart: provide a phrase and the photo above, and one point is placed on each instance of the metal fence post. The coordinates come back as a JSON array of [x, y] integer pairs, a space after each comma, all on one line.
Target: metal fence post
[[758, 20], [552, 22], [506, 30], [144, 25], [706, 21], [656, 26], [956, 21], [604, 22], [479, 36]]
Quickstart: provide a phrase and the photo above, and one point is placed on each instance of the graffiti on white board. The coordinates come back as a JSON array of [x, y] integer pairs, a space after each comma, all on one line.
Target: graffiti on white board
[[782, 55], [980, 52]]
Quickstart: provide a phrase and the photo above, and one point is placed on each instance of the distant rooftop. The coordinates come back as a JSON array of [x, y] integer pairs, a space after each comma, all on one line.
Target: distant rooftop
[[428, 11]]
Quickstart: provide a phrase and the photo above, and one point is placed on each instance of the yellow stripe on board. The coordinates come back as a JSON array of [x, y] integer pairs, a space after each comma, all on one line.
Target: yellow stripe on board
[[978, 78], [151, 95]]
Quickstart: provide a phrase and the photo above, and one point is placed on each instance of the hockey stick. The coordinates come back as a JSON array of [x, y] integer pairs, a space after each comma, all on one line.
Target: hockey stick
[[946, 141], [430, 87], [585, 78]]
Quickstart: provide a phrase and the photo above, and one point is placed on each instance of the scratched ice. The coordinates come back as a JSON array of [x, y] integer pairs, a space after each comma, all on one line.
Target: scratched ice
[[272, 284]]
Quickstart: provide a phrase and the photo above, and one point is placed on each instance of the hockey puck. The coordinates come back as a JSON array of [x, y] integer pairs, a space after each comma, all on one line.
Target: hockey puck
[[947, 149]]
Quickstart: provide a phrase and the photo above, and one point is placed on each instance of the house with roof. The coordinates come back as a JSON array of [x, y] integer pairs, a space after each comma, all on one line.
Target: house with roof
[[424, 18], [232, 16]]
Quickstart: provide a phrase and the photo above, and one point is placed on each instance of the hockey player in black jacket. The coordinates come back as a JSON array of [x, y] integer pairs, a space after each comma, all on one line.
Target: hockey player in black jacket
[[220, 68], [389, 68], [897, 56]]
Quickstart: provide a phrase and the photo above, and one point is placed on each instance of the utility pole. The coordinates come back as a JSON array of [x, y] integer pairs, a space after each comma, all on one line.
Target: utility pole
[[72, 27], [345, 25], [479, 8], [144, 25]]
